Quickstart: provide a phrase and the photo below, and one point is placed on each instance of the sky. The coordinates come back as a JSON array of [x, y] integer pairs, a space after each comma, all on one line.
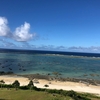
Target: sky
[[61, 25]]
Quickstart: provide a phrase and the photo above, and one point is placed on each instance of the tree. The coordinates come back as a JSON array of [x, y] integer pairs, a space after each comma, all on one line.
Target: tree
[[16, 84], [2, 82], [31, 84]]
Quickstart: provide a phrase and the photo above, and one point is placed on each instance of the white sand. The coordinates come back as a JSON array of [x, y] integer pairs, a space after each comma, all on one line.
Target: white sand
[[79, 87], [10, 79]]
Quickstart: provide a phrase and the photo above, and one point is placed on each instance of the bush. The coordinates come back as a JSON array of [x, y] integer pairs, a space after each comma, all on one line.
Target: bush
[[8, 86], [30, 83], [16, 84], [71, 93], [76, 96], [37, 89], [24, 87], [46, 85]]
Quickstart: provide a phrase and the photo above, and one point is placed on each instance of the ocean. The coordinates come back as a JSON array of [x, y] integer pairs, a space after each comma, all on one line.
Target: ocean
[[54, 63]]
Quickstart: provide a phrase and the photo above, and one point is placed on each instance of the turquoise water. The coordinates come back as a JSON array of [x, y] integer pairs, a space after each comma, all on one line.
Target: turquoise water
[[66, 66]]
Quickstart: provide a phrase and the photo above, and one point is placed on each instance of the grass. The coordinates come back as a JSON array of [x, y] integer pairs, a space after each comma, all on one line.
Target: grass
[[24, 93], [91, 96], [28, 95]]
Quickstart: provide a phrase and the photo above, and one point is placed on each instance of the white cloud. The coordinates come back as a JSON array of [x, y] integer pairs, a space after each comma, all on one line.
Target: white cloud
[[21, 33], [4, 29], [84, 49], [6, 43]]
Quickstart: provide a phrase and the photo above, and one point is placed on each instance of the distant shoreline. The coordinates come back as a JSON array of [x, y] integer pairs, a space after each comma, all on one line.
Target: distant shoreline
[[87, 54]]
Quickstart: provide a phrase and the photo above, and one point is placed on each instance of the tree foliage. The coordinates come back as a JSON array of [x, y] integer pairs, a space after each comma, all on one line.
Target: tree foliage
[[2, 82], [30, 83], [16, 84]]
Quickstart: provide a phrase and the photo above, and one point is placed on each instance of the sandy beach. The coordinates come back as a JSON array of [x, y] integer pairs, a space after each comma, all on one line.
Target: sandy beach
[[76, 86]]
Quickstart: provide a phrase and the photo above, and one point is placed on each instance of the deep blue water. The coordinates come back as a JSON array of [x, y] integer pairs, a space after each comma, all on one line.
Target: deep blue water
[[68, 64]]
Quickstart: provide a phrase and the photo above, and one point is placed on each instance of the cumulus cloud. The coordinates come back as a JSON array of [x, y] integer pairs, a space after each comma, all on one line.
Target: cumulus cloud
[[20, 34], [4, 29]]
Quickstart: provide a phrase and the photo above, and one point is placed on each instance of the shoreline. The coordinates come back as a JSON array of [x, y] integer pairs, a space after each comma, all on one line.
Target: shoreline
[[40, 81], [54, 78]]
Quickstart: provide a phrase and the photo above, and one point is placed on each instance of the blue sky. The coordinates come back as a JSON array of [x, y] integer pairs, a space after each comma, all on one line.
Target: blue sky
[[64, 25]]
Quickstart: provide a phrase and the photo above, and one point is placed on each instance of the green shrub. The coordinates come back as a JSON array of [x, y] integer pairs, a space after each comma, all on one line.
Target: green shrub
[[16, 83], [46, 85], [71, 93], [24, 87], [7, 86], [30, 83]]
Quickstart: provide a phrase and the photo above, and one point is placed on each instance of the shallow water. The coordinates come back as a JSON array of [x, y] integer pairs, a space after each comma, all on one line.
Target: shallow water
[[64, 65]]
